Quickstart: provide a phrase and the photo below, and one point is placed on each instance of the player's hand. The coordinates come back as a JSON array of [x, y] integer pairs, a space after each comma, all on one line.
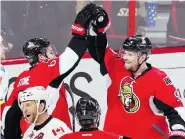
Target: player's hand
[[83, 18], [100, 21], [179, 134]]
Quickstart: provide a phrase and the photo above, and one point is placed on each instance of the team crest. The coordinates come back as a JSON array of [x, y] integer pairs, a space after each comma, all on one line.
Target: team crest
[[129, 99]]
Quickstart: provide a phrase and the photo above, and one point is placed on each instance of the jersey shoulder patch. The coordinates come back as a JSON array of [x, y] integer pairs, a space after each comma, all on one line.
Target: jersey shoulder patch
[[167, 80], [52, 62], [162, 75]]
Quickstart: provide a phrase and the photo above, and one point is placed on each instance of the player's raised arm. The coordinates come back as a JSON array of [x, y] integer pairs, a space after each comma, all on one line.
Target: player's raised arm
[[79, 42], [99, 48]]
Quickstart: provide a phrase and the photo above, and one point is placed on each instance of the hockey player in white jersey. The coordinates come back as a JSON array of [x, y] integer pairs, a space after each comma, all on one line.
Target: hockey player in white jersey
[[34, 104]]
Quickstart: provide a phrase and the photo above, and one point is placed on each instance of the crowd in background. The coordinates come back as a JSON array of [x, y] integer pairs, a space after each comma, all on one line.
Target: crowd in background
[[22, 20]]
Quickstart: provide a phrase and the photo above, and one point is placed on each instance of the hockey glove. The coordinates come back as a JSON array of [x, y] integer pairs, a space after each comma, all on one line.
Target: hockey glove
[[100, 21], [179, 134], [83, 18]]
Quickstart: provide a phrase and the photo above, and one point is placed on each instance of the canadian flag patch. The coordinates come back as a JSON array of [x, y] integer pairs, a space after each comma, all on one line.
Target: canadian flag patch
[[57, 131]]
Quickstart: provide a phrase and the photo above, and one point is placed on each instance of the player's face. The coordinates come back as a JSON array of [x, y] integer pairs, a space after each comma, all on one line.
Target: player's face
[[29, 110], [50, 52], [131, 60]]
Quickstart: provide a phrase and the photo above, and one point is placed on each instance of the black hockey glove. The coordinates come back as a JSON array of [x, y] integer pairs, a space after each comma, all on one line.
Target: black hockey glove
[[178, 134], [83, 18], [100, 21]]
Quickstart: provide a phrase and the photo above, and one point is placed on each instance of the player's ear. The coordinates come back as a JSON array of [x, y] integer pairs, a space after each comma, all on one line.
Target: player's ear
[[142, 58], [41, 57], [41, 107]]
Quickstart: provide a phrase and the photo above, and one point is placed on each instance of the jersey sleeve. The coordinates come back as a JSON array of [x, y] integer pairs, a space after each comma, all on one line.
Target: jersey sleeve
[[110, 59], [102, 53], [62, 66], [167, 101], [166, 91], [71, 56]]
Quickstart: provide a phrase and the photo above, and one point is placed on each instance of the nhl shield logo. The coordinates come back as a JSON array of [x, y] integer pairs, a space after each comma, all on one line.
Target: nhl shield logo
[[127, 96]]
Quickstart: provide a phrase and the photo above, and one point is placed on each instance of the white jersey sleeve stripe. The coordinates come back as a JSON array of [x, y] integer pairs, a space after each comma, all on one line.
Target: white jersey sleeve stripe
[[67, 60]]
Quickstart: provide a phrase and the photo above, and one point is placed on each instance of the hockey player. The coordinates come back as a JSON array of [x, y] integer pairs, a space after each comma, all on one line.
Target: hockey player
[[47, 70], [141, 98], [33, 102], [88, 115], [3, 74]]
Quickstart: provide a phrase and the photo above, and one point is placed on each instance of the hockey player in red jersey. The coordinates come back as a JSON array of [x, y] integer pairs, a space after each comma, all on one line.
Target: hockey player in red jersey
[[33, 102], [88, 115], [142, 102], [49, 72]]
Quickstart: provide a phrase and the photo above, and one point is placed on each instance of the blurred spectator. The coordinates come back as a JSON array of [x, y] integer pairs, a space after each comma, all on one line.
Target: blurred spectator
[[3, 48], [7, 45], [175, 26], [12, 22], [6, 28], [44, 18], [22, 20]]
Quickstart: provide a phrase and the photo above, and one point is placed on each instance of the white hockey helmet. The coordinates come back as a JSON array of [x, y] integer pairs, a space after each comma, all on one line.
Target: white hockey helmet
[[36, 93]]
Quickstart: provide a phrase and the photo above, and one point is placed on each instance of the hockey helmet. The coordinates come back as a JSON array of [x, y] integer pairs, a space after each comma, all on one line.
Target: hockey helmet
[[137, 43], [33, 47], [37, 93], [88, 111]]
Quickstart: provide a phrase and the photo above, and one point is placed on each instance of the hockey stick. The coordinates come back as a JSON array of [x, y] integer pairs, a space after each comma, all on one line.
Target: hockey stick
[[160, 131], [67, 87]]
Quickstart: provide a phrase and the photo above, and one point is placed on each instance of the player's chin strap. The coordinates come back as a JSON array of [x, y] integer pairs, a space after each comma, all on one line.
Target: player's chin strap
[[139, 65], [46, 107], [31, 128]]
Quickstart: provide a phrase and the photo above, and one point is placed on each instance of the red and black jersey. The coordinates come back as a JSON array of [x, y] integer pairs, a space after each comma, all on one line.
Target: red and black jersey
[[49, 75], [91, 134], [131, 107], [41, 75], [137, 106]]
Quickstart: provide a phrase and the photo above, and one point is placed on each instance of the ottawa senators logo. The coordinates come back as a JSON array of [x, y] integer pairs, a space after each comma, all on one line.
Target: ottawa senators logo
[[129, 99]]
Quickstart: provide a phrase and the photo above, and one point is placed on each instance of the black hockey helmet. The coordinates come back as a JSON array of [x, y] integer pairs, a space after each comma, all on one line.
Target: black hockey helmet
[[88, 111], [137, 43], [33, 47]]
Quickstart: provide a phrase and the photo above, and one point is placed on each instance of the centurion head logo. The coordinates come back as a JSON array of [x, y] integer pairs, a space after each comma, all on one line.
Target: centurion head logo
[[129, 99]]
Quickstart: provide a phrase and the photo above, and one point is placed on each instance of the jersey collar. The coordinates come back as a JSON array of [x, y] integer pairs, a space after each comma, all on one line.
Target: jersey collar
[[38, 127], [90, 129]]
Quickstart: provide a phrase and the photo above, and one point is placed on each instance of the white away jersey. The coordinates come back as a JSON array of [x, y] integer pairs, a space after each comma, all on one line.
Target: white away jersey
[[3, 82], [51, 129]]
